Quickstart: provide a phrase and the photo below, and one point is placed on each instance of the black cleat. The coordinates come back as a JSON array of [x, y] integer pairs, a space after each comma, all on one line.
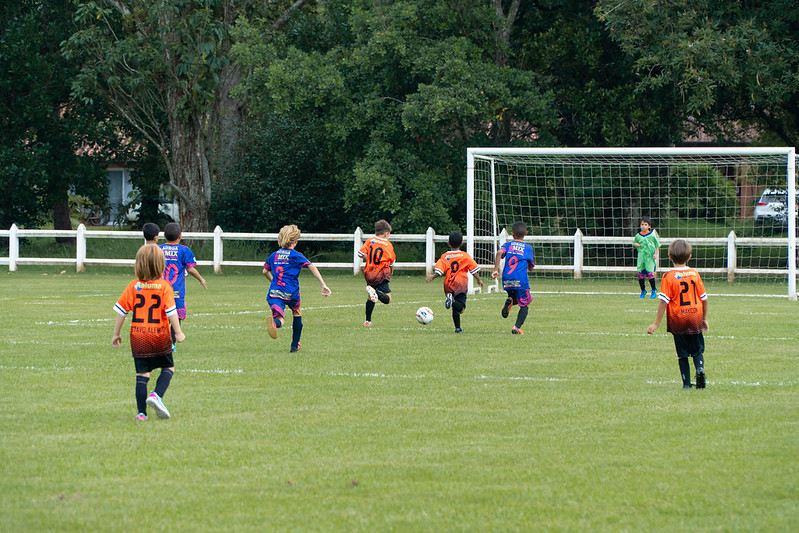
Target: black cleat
[[688, 386], [458, 330], [700, 380], [506, 307]]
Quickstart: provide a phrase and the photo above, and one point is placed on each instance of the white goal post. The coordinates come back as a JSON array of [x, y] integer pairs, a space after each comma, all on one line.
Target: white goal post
[[737, 207]]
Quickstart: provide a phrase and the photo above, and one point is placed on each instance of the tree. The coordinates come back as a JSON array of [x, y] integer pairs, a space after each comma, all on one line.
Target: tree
[[731, 67], [400, 89], [164, 67], [44, 133]]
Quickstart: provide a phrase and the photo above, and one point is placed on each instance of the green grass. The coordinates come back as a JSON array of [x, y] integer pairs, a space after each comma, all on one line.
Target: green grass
[[580, 425]]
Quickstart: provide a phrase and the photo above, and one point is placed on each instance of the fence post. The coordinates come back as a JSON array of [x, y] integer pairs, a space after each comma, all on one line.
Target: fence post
[[13, 248], [578, 254], [429, 251], [217, 250], [732, 256], [357, 242], [80, 249]]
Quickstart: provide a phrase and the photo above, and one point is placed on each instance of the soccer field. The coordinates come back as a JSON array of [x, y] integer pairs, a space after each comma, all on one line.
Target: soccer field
[[579, 425]]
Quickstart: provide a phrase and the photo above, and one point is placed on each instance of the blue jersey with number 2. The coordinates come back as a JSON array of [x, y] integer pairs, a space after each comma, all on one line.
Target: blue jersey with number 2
[[518, 259], [285, 265]]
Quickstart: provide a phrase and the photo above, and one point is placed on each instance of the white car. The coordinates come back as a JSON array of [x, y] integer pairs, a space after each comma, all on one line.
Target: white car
[[772, 205], [169, 209]]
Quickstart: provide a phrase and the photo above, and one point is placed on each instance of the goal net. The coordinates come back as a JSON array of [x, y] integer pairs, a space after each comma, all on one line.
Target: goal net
[[582, 208]]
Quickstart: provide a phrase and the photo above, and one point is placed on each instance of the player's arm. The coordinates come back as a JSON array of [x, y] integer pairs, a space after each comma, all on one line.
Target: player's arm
[[193, 272], [267, 273], [315, 271], [431, 277], [705, 326], [116, 340], [477, 278], [656, 324], [497, 260], [174, 321]]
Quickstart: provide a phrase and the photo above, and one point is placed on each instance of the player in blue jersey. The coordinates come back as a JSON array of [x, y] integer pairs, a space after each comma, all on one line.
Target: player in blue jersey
[[283, 271], [519, 260], [179, 261]]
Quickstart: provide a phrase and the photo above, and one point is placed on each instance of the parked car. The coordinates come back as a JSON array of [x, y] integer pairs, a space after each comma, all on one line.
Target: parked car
[[772, 206], [166, 208]]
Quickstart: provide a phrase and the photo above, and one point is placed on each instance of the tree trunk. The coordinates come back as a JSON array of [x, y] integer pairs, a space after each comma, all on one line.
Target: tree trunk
[[190, 174], [61, 218]]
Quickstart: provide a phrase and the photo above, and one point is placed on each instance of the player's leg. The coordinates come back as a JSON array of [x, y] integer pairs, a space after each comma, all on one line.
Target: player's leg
[[682, 360], [383, 293], [699, 361], [142, 378], [296, 328], [642, 283], [155, 398], [508, 304], [651, 277], [458, 307], [274, 318], [523, 300], [370, 307]]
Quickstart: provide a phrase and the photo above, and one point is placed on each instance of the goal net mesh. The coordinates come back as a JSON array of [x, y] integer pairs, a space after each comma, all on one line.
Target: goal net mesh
[[698, 197]]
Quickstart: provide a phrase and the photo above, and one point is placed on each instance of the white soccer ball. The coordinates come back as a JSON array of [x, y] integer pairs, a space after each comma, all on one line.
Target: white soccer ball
[[424, 315]]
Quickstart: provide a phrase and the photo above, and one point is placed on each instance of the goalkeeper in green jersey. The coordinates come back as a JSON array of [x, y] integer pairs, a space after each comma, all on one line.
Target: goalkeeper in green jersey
[[646, 241]]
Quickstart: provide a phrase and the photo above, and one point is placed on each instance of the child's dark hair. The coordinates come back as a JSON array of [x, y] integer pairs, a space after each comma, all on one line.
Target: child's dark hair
[[455, 239], [382, 227], [680, 251], [150, 231], [518, 230], [645, 219], [172, 231]]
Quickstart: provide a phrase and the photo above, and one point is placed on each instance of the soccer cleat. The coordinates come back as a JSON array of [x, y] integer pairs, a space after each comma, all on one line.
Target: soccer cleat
[[368, 323], [700, 380], [154, 402], [688, 386], [458, 330], [174, 348], [297, 349], [448, 301], [372, 293], [506, 307], [141, 417], [517, 331], [654, 294], [643, 295], [271, 328]]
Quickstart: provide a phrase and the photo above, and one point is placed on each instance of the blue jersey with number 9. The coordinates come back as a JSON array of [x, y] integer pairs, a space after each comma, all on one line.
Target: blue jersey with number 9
[[518, 260]]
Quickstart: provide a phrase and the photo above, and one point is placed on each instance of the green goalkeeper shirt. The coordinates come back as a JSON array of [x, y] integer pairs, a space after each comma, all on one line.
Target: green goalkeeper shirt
[[646, 252]]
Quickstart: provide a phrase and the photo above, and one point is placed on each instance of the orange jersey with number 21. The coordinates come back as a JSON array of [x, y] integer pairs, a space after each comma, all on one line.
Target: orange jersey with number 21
[[684, 293]]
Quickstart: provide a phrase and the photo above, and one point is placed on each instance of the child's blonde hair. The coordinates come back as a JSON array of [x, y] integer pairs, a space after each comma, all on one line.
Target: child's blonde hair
[[150, 263], [680, 251], [288, 235]]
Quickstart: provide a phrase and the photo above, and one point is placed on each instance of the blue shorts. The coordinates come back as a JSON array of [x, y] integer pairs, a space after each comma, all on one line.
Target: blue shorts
[[520, 297], [277, 305]]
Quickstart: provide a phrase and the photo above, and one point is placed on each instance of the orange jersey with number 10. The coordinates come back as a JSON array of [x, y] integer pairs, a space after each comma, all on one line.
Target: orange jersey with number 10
[[378, 253], [453, 266], [682, 289], [151, 303]]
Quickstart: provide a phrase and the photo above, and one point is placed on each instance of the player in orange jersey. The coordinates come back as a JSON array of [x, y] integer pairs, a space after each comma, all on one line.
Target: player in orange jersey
[[151, 300], [455, 267], [684, 301], [378, 255]]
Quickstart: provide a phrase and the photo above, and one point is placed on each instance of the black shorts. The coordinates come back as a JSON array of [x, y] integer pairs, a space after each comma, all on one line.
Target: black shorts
[[461, 299], [146, 365], [689, 345], [382, 287]]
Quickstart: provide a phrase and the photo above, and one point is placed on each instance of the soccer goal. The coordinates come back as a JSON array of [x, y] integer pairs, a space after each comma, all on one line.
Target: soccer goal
[[737, 207]]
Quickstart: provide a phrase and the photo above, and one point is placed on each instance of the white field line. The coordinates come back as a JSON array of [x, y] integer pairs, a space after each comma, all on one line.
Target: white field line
[[381, 375]]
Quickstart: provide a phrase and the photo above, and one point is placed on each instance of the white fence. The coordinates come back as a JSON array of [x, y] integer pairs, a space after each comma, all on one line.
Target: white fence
[[578, 242]]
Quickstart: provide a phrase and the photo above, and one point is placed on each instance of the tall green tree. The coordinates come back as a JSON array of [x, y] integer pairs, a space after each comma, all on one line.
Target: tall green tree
[[731, 67], [163, 65], [399, 90], [49, 142]]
